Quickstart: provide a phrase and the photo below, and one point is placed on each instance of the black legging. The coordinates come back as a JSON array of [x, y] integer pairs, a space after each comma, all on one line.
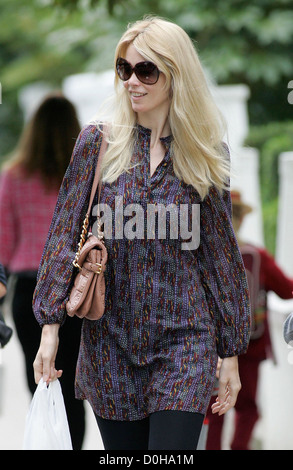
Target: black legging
[[162, 430], [29, 334]]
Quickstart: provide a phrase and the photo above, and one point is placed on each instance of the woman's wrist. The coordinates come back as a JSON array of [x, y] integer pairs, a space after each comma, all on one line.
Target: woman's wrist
[[50, 329]]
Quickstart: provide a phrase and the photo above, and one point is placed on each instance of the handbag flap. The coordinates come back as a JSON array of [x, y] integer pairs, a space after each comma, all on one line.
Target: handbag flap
[[92, 243]]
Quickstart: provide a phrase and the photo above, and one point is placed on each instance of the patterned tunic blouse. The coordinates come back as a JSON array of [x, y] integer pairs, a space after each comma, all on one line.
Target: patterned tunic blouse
[[169, 311]]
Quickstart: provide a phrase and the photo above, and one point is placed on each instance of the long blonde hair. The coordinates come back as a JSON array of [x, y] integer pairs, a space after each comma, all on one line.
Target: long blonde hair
[[196, 124]]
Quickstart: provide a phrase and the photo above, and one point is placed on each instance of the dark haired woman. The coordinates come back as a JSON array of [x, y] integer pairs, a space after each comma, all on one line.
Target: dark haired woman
[[29, 186]]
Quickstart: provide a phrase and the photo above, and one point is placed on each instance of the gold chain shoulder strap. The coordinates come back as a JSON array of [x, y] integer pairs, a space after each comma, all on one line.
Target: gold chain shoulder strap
[[85, 225]]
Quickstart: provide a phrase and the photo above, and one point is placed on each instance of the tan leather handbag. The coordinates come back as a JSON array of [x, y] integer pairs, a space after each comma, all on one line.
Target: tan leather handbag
[[87, 297]]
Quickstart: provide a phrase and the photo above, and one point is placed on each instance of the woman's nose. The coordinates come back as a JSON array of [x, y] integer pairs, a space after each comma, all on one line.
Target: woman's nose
[[133, 80]]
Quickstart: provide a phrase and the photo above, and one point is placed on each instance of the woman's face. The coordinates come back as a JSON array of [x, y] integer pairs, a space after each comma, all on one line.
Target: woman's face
[[146, 98]]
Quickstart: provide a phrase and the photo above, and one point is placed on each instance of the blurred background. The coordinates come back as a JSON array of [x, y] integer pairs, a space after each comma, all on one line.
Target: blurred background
[[246, 49]]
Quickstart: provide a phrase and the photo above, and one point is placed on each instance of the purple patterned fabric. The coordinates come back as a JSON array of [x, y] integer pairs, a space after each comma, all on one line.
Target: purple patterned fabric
[[169, 312]]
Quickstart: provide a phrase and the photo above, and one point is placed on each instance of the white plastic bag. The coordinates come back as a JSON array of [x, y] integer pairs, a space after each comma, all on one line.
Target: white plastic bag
[[46, 426]]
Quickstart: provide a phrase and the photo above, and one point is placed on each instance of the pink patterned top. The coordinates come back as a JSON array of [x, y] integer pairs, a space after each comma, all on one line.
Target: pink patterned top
[[26, 210]]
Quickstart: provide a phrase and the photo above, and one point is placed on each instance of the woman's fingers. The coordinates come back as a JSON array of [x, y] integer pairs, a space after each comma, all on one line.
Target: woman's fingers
[[229, 386], [44, 364], [222, 403]]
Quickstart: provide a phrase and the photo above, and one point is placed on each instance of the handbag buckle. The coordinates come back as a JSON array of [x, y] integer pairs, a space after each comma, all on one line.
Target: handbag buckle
[[99, 270], [76, 265]]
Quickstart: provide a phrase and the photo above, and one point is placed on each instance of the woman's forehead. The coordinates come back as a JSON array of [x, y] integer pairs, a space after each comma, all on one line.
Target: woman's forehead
[[132, 55]]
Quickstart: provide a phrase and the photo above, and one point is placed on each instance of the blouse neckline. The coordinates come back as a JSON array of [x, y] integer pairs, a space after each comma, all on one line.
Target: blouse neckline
[[145, 131]]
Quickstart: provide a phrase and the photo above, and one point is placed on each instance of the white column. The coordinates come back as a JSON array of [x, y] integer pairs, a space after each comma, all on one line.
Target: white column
[[88, 91], [245, 178], [278, 379], [232, 102]]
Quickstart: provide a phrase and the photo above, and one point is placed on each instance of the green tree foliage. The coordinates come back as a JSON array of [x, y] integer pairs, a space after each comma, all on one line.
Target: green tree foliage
[[239, 41]]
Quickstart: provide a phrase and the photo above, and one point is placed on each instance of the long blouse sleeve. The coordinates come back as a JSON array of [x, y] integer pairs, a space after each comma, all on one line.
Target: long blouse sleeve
[[223, 275], [55, 273]]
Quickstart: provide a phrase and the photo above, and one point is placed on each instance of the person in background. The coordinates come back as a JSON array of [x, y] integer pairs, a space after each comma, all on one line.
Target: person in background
[[29, 186], [263, 275]]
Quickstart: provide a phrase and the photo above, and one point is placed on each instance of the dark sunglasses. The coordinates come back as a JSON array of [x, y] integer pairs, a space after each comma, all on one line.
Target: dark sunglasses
[[146, 72]]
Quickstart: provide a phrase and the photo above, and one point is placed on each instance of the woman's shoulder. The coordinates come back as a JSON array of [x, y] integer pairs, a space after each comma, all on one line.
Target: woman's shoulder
[[90, 132], [13, 172], [86, 148]]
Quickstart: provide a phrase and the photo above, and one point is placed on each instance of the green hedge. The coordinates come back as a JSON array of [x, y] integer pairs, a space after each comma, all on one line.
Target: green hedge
[[270, 140]]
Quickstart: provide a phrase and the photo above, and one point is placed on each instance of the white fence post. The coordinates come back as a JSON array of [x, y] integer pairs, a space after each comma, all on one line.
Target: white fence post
[[278, 379]]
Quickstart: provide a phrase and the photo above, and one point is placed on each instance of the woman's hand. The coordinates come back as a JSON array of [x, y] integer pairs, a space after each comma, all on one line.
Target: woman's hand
[[229, 385], [44, 363]]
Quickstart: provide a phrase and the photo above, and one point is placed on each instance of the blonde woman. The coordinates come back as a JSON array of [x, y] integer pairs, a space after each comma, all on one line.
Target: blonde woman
[[147, 367]]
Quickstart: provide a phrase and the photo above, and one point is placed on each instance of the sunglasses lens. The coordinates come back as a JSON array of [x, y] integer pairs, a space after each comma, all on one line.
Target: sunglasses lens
[[123, 69], [147, 72]]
